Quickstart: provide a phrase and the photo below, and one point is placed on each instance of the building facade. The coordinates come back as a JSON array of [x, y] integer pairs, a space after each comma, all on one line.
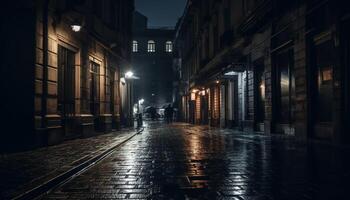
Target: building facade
[[266, 65], [64, 65], [152, 50]]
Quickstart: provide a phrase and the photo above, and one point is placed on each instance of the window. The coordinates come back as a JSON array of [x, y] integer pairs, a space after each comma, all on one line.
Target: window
[[285, 85], [135, 46], [66, 82], [151, 47], [323, 77], [94, 82], [168, 46]]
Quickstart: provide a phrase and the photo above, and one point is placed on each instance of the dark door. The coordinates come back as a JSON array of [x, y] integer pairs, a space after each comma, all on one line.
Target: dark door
[[112, 98], [66, 85], [322, 103], [204, 108], [191, 111], [235, 101], [285, 87], [94, 83]]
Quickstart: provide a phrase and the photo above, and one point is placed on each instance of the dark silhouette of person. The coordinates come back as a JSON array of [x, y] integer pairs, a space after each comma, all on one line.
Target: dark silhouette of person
[[153, 113], [169, 112]]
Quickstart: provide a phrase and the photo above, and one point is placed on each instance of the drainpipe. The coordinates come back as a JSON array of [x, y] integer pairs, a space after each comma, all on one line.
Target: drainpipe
[[45, 64]]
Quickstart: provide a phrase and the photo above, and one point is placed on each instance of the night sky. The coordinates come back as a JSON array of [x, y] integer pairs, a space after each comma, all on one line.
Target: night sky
[[161, 12]]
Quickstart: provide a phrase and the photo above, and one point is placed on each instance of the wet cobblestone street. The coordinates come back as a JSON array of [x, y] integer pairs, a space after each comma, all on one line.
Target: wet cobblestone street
[[24, 171], [183, 161]]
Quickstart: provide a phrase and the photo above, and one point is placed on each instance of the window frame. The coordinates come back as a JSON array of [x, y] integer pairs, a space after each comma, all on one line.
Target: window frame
[[151, 46], [169, 46], [135, 46]]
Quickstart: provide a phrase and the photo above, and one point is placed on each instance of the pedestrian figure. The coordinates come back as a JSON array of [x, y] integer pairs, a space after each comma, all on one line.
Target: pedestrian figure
[[166, 114], [139, 120], [169, 112], [153, 113]]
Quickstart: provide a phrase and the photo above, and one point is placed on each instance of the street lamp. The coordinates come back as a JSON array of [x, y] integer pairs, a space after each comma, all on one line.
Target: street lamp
[[129, 77], [76, 27], [77, 24], [129, 74]]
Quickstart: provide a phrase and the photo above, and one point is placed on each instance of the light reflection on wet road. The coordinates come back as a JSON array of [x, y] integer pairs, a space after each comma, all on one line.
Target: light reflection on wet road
[[183, 161]]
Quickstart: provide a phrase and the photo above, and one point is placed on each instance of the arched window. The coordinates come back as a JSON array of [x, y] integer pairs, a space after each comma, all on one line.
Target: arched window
[[135, 46], [151, 47], [168, 46]]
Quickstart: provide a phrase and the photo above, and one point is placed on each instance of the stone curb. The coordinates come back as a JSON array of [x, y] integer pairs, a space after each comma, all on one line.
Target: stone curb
[[66, 172]]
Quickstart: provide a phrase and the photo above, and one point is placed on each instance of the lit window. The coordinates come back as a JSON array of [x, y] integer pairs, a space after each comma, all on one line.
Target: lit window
[[151, 47], [169, 46], [135, 46]]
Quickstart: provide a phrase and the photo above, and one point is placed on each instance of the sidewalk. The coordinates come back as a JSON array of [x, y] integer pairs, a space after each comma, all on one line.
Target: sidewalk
[[24, 171]]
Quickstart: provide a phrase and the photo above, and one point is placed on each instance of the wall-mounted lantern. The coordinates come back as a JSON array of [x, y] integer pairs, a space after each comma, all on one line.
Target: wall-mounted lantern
[[76, 27]]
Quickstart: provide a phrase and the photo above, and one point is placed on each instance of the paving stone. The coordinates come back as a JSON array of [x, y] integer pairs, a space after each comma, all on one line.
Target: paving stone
[[182, 161], [19, 170]]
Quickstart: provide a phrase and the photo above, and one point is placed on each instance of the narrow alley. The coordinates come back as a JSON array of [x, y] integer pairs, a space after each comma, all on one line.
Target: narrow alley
[[175, 99]]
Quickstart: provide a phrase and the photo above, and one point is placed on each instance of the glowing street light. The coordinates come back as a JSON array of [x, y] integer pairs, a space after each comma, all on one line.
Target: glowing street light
[[129, 74], [76, 27]]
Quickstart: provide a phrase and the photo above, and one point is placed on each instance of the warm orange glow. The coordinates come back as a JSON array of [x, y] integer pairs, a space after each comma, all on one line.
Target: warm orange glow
[[216, 101], [262, 91], [193, 96], [198, 108]]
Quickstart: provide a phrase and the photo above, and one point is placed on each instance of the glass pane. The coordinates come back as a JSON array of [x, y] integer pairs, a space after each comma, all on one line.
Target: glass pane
[[324, 60], [284, 67]]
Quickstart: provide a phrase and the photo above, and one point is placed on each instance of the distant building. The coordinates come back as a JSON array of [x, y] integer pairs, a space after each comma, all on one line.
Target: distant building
[[152, 50], [62, 68], [269, 65]]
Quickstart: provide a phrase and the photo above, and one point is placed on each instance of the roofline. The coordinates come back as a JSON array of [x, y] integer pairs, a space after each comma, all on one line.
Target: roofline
[[177, 31]]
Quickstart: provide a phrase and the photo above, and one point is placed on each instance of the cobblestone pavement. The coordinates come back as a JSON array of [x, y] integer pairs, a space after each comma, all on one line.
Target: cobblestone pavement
[[20, 171], [192, 162]]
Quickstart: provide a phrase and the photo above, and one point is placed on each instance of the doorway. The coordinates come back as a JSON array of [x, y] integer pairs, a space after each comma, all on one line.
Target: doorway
[[113, 98], [260, 96], [94, 83], [232, 101], [204, 108], [66, 91], [322, 101], [285, 91]]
